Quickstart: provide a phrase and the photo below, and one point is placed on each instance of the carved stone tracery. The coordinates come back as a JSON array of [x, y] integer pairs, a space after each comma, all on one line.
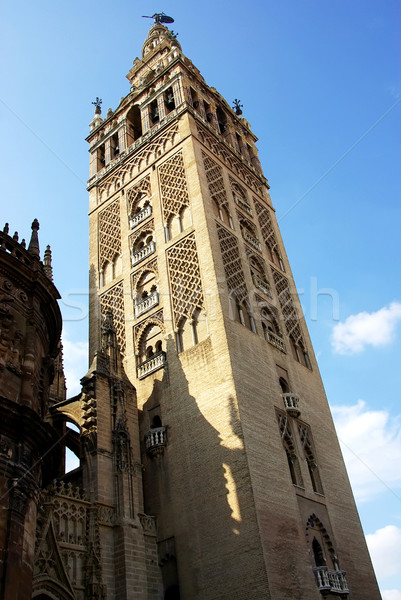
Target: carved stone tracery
[[109, 234], [232, 263], [185, 279], [173, 186]]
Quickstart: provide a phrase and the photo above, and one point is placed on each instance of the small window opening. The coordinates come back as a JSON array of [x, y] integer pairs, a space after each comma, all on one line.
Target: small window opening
[[239, 143], [209, 114], [115, 148], [285, 388], [169, 99], [156, 422], [318, 553], [101, 157], [154, 112], [221, 120], [134, 125]]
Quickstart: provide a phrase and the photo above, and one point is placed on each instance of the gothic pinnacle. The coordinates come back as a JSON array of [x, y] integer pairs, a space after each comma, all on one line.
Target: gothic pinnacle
[[33, 247]]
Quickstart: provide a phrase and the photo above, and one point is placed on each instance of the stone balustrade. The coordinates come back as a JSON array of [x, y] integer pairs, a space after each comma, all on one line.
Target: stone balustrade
[[140, 216], [253, 241], [146, 304], [157, 361], [330, 580], [291, 403], [276, 341], [155, 439], [263, 286], [143, 253], [243, 205]]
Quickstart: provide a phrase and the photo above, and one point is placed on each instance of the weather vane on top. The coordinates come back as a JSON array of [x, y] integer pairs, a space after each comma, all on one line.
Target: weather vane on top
[[160, 18]]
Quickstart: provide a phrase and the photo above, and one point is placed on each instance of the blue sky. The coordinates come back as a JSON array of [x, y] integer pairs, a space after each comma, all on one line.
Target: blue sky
[[320, 84]]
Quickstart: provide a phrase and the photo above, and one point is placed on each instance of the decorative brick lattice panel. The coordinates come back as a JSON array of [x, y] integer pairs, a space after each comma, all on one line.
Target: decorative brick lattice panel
[[214, 176], [150, 266], [266, 226], [186, 284], [140, 159], [114, 300], [109, 234], [288, 309], [173, 186], [220, 150], [155, 319], [135, 193], [232, 263]]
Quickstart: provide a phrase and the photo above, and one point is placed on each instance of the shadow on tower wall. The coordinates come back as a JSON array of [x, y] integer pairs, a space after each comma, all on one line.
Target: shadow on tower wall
[[198, 486]]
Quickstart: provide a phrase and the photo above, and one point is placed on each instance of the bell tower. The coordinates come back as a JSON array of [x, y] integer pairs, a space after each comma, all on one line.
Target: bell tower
[[241, 464]]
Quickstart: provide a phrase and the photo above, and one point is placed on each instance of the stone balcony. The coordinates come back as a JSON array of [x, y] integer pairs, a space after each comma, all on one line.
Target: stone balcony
[[156, 440], [140, 216], [253, 241], [244, 205], [291, 403], [143, 253], [157, 361], [276, 340], [146, 304], [330, 581], [262, 285]]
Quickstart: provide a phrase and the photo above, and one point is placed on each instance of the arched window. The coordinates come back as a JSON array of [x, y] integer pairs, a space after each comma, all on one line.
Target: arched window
[[142, 247], [221, 119], [151, 342], [289, 447], [134, 125], [318, 555], [285, 388], [169, 100]]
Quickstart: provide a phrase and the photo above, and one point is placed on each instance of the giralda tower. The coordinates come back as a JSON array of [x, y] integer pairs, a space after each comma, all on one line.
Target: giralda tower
[[241, 464]]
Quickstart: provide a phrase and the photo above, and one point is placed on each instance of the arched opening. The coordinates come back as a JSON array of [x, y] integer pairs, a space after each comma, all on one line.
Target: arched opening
[[185, 218], [142, 247], [154, 112], [134, 125], [156, 422], [114, 146], [318, 555], [285, 388], [221, 119], [169, 100]]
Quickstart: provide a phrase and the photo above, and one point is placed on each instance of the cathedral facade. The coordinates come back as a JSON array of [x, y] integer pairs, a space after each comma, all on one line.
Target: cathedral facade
[[209, 463]]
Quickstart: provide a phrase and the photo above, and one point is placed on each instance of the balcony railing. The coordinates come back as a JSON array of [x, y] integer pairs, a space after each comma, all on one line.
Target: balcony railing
[[146, 304], [143, 253], [263, 286], [134, 220], [244, 205], [276, 341], [251, 240], [291, 403], [329, 580], [157, 361], [155, 440]]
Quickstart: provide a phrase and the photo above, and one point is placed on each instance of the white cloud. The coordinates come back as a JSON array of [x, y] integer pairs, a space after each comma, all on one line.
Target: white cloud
[[371, 445], [75, 364], [364, 329], [385, 550], [391, 594]]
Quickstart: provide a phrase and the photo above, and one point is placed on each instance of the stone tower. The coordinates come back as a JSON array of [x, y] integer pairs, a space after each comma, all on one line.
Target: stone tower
[[241, 465]]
